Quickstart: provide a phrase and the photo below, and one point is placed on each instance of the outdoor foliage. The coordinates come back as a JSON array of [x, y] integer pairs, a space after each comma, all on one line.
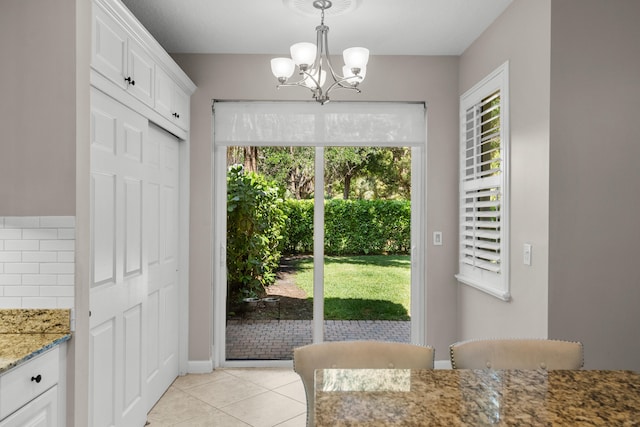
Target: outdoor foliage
[[367, 227], [255, 222], [352, 227], [350, 172], [298, 236]]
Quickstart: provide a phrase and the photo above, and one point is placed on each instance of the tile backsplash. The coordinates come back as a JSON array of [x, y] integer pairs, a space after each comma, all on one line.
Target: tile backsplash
[[37, 261]]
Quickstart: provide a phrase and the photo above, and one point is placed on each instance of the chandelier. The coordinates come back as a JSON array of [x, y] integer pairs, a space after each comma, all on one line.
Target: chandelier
[[313, 63]]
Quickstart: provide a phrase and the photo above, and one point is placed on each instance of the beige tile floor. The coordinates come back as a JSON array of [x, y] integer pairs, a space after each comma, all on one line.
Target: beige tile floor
[[257, 397]]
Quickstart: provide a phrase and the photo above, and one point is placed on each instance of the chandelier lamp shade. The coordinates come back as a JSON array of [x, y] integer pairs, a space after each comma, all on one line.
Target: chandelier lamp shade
[[314, 64]]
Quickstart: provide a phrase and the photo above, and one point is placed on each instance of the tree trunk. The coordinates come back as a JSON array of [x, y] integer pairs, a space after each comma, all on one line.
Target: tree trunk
[[251, 159], [347, 187]]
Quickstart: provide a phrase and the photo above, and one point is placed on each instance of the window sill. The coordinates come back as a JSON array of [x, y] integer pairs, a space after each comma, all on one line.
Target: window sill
[[502, 294]]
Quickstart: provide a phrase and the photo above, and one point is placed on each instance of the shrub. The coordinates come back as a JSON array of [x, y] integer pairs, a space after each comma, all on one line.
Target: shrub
[[298, 236], [352, 227], [255, 222]]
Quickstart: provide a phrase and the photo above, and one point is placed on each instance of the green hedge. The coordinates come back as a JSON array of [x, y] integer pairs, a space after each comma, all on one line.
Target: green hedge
[[352, 227], [255, 222]]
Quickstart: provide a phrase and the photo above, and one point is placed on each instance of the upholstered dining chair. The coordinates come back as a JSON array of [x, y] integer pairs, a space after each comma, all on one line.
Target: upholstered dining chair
[[356, 354], [516, 354]]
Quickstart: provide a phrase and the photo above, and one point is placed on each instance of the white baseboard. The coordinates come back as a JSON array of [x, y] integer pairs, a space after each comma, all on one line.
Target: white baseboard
[[199, 366], [442, 364]]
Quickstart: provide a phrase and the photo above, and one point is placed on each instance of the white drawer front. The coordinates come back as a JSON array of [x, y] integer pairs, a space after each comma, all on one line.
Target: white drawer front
[[22, 384], [40, 412]]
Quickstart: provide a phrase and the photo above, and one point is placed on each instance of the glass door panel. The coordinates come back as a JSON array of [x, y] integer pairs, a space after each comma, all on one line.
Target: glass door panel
[[268, 312], [367, 244], [344, 270]]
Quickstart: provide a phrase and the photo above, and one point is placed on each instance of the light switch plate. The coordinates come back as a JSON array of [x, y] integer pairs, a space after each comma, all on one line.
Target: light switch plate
[[437, 238], [526, 254]]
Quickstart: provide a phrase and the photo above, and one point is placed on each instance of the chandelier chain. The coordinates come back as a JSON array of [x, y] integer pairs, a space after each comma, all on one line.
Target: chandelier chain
[[322, 5]]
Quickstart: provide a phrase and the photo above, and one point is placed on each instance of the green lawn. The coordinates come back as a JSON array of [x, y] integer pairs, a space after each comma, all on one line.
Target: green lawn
[[374, 287]]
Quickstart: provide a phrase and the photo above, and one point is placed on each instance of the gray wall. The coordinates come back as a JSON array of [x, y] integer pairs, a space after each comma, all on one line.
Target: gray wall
[[44, 150], [575, 85], [397, 78], [594, 290], [521, 36], [37, 110]]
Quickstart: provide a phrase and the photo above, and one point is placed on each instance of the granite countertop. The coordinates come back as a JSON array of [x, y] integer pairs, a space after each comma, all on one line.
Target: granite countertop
[[25, 333], [403, 397]]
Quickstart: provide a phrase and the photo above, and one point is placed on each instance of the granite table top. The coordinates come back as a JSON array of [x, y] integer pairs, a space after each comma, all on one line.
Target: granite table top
[[404, 397], [26, 333]]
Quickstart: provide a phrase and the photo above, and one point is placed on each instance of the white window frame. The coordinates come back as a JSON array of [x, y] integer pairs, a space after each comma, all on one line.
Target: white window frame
[[491, 277]]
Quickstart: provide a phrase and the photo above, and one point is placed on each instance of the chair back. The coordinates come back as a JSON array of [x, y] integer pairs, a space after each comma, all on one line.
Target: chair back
[[356, 354], [516, 354]]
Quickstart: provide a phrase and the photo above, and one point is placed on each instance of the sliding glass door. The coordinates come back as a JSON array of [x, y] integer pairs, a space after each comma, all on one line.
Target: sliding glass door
[[355, 295]]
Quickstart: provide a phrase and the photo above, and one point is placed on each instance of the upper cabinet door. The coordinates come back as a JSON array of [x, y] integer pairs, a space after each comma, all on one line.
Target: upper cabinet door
[[181, 106], [171, 101], [141, 71], [164, 93], [109, 48], [121, 59]]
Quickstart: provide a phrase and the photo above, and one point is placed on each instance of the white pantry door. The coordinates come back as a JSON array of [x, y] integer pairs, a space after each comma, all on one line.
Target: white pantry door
[[161, 224], [133, 299]]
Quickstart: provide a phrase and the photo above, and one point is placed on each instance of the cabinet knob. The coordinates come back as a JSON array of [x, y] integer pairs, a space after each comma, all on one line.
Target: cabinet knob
[[37, 378], [176, 115], [130, 81]]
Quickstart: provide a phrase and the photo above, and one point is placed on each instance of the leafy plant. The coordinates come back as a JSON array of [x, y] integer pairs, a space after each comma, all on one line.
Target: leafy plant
[[255, 222]]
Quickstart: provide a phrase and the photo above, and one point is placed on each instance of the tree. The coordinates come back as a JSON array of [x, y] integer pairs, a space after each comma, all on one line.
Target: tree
[[389, 173], [292, 167], [355, 172], [246, 156], [251, 159], [344, 164]]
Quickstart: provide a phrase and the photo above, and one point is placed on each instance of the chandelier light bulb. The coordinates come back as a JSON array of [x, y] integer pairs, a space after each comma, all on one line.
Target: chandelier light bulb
[[356, 57], [308, 82], [282, 68], [303, 54]]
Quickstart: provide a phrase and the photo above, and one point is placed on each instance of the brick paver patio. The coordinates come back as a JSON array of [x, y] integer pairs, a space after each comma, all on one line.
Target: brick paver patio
[[275, 339]]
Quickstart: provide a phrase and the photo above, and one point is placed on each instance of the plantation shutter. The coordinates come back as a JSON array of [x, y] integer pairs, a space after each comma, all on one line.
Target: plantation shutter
[[338, 123], [483, 171]]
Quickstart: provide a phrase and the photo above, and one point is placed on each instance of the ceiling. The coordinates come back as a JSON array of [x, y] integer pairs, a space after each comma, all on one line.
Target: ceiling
[[386, 27]]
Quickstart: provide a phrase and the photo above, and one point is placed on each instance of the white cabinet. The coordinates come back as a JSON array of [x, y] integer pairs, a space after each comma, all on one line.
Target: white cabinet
[[40, 412], [171, 101], [29, 393], [120, 58], [129, 65]]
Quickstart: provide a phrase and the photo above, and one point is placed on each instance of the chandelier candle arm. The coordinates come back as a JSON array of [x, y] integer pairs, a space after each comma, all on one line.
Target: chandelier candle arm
[[314, 63]]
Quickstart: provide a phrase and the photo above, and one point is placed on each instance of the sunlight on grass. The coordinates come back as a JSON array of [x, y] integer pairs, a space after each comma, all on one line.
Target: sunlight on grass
[[375, 287]]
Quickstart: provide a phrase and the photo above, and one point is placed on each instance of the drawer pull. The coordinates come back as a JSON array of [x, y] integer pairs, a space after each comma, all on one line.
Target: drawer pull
[[37, 378]]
